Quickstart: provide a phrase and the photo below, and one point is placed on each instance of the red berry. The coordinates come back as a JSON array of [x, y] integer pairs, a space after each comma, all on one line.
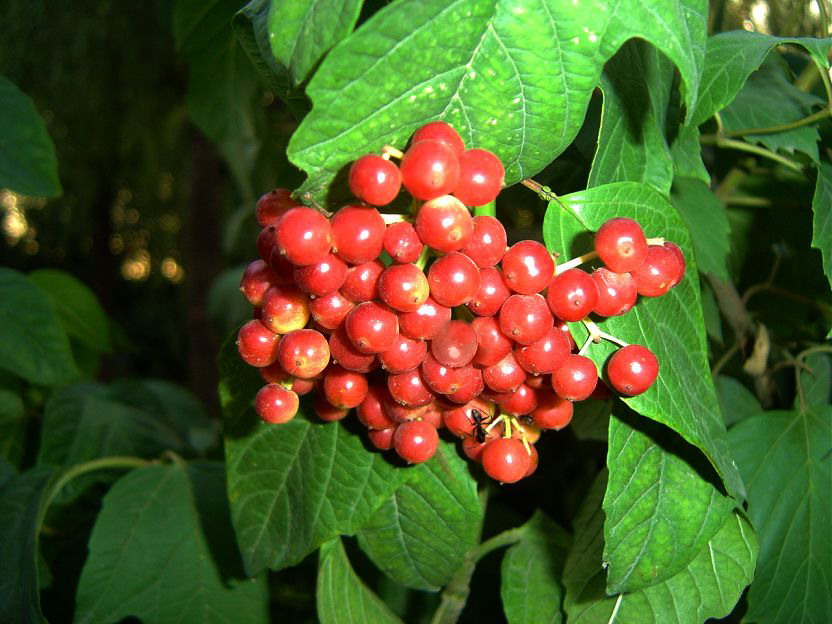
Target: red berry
[[504, 376], [505, 460], [523, 400], [382, 439], [572, 295], [257, 344], [429, 169], [285, 309], [632, 369], [481, 176], [659, 271], [564, 327], [545, 355], [402, 413], [473, 448], [440, 378], [402, 243], [621, 245], [303, 353], [266, 242], [442, 132], [491, 295], [426, 322], [409, 388], [460, 420], [321, 278], [303, 235], [492, 344], [275, 404], [361, 283], [525, 318], [488, 242], [273, 205], [456, 345], [274, 373], [326, 411], [257, 279], [370, 412], [616, 292], [375, 180], [416, 441], [372, 327], [330, 310], [680, 257], [405, 354], [444, 224], [344, 388], [357, 233], [576, 378], [471, 385], [403, 287], [528, 267], [283, 269], [344, 353], [552, 411], [453, 279]]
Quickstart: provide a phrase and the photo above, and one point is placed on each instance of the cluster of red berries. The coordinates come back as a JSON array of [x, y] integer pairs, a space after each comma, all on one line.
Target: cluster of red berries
[[470, 344]]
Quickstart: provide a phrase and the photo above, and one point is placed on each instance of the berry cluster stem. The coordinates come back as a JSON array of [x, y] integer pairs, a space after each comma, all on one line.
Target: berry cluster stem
[[394, 218], [388, 151], [596, 334]]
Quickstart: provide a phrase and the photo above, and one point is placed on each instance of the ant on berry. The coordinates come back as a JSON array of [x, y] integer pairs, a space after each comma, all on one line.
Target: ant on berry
[[480, 420]]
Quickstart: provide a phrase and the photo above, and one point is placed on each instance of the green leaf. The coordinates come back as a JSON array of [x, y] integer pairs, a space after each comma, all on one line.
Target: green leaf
[[735, 400], [12, 426], [28, 164], [20, 509], [708, 587], [637, 84], [238, 385], [687, 155], [683, 397], [754, 107], [591, 419], [707, 222], [661, 506], [784, 459], [342, 597], [301, 33], [162, 549], [515, 79], [80, 312], [33, 344], [420, 534], [710, 310], [822, 223], [530, 579]]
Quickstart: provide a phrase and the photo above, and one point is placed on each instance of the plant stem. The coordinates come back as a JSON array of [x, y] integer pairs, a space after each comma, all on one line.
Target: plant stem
[[742, 146], [824, 18], [486, 210], [506, 538], [821, 114]]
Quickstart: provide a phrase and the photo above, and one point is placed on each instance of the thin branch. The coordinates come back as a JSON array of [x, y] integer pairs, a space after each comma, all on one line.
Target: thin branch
[[742, 146], [821, 114]]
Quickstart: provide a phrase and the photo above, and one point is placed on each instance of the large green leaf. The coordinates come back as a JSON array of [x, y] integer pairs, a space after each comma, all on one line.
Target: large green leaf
[[591, 419], [342, 597], [512, 77], [660, 508], [422, 531], [301, 33], [12, 426], [20, 509], [530, 579], [822, 223], [816, 381], [735, 400], [707, 221], [784, 459], [672, 326], [162, 550], [28, 163], [80, 312], [33, 344], [637, 84], [708, 587]]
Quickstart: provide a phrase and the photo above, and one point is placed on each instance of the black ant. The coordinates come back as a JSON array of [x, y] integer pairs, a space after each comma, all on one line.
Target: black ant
[[480, 420]]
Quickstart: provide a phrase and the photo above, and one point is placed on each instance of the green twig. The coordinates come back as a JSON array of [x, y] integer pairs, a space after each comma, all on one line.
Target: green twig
[[824, 18], [719, 141], [821, 114], [486, 210]]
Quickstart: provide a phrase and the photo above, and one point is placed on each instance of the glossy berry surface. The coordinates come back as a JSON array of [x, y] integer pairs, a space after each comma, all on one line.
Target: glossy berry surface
[[552, 411], [257, 344], [303, 236], [275, 404], [426, 322], [361, 283], [481, 176], [504, 376], [471, 385], [326, 411], [303, 353], [440, 378], [372, 327], [616, 292], [528, 267], [522, 400], [405, 354], [442, 132], [492, 344], [487, 245], [632, 369], [257, 279], [344, 353], [505, 460], [454, 279], [416, 441], [409, 388], [404, 287], [545, 355], [525, 318], [491, 294], [382, 439], [375, 180], [658, 273], [330, 310], [357, 233], [321, 278], [572, 295], [285, 309], [429, 169], [444, 224], [576, 378], [621, 244], [370, 412], [344, 388], [456, 345], [680, 256], [273, 205], [402, 243]]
